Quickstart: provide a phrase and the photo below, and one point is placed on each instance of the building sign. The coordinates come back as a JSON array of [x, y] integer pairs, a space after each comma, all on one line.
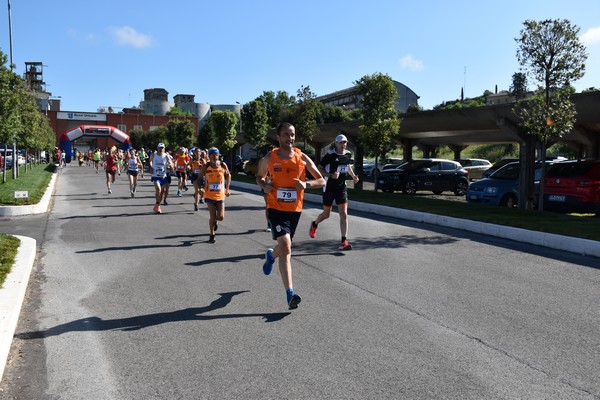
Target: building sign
[[79, 116]]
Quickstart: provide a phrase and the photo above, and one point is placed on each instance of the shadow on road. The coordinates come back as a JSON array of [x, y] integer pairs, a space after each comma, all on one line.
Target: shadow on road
[[182, 243], [145, 321], [392, 242]]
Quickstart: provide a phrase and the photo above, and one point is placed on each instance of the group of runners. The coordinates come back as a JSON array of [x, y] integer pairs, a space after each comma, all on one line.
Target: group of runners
[[281, 175], [114, 161], [210, 177]]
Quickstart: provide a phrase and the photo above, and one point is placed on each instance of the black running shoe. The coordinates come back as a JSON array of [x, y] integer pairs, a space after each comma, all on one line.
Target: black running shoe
[[294, 302]]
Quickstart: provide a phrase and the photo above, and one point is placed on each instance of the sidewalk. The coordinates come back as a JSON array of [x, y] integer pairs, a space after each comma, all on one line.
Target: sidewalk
[[12, 294]]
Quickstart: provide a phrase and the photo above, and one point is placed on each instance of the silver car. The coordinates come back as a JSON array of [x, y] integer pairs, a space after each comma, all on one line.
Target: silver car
[[475, 166]]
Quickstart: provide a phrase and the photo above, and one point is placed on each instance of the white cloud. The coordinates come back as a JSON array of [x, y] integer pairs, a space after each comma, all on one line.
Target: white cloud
[[408, 61], [127, 36], [591, 36]]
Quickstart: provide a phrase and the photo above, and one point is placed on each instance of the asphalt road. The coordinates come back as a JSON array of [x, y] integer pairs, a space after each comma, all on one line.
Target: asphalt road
[[125, 304]]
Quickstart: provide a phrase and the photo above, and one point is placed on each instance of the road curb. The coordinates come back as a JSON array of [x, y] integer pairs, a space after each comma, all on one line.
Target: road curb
[[585, 247], [38, 208], [12, 295]]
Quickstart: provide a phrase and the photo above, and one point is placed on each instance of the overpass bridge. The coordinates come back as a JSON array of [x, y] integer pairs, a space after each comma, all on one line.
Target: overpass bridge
[[459, 128]]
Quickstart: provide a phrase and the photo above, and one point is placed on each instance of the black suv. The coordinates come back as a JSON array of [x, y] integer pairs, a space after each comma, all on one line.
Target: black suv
[[433, 174]]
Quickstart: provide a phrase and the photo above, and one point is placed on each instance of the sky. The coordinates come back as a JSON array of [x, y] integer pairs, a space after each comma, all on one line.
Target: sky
[[105, 53]]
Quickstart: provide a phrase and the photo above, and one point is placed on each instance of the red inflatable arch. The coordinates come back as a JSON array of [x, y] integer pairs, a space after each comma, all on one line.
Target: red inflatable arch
[[93, 131]]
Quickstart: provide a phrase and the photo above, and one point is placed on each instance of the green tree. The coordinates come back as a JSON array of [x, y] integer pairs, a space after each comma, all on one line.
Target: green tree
[[276, 104], [479, 101], [181, 133], [178, 112], [551, 53], [136, 137], [10, 104], [35, 133], [414, 108], [380, 124], [205, 137], [306, 114], [330, 114], [518, 88], [158, 135], [255, 123], [223, 125], [590, 90]]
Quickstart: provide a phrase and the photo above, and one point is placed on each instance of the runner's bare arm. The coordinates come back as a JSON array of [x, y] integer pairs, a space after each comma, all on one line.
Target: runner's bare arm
[[261, 174], [318, 180]]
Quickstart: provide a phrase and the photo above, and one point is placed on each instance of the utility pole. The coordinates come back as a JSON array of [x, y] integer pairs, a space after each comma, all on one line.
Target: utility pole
[[12, 66]]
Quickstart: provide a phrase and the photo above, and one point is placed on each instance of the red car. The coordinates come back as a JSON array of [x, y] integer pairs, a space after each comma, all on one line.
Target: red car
[[573, 187]]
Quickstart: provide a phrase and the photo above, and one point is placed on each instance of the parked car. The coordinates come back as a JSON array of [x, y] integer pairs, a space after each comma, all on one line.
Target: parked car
[[392, 166], [238, 164], [433, 174], [475, 166], [502, 187], [9, 161], [488, 172], [250, 166], [573, 186], [370, 167]]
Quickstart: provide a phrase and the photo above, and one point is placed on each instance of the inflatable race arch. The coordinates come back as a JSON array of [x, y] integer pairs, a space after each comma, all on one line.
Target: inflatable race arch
[[103, 131]]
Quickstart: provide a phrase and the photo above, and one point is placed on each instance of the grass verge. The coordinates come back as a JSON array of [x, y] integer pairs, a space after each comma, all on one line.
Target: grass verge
[[586, 227], [8, 252], [34, 181]]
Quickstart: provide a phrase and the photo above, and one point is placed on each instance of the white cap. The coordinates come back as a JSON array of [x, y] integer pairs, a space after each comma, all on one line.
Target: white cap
[[341, 138], [160, 145]]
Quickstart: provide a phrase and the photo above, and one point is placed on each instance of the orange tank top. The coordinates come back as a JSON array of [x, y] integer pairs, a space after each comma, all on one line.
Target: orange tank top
[[215, 183], [285, 196], [196, 167], [180, 162]]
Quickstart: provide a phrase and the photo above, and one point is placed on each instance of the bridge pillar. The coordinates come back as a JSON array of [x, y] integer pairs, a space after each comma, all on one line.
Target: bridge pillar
[[457, 149], [407, 145]]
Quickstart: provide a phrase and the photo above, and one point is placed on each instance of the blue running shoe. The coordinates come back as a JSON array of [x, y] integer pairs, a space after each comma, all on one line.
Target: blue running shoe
[[294, 301], [269, 260]]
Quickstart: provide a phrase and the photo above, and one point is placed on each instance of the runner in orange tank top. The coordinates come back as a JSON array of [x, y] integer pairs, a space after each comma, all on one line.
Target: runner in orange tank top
[[215, 189], [286, 167], [182, 160]]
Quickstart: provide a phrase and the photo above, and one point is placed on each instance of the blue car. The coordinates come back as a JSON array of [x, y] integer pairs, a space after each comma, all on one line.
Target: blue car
[[502, 187]]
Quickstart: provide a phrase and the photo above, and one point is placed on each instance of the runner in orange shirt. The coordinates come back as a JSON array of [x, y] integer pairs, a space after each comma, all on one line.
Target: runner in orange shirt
[[286, 167], [198, 162], [215, 189], [182, 161]]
